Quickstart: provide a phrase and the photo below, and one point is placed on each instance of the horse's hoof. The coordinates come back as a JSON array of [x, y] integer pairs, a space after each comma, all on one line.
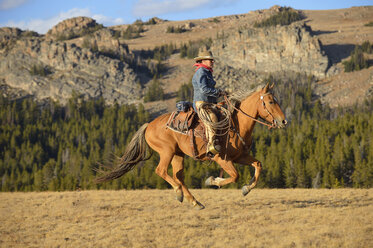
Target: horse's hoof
[[179, 195], [245, 190], [198, 205], [209, 181]]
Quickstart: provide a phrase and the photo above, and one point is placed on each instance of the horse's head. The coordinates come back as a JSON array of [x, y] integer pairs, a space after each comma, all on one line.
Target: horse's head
[[269, 109]]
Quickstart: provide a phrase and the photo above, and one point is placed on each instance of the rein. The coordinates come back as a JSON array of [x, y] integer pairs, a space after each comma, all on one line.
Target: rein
[[254, 119]]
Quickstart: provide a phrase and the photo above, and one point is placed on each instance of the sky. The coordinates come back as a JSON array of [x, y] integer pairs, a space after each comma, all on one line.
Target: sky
[[41, 15]]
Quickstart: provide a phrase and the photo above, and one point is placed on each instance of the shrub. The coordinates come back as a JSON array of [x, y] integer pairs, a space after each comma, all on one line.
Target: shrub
[[285, 17], [29, 33], [117, 34], [68, 36], [138, 22], [367, 47], [151, 21], [164, 51], [185, 92], [39, 70], [178, 29], [133, 31], [89, 45], [190, 50], [357, 61], [215, 20], [91, 29], [369, 24], [154, 91]]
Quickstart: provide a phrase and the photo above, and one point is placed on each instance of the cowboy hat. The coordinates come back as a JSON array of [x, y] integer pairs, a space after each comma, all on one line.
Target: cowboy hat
[[204, 55]]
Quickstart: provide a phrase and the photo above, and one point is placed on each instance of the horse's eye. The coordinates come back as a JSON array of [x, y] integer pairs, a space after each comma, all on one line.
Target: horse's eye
[[271, 102]]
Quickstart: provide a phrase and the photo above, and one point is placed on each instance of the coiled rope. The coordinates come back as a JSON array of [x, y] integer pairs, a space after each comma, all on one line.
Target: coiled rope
[[222, 126]]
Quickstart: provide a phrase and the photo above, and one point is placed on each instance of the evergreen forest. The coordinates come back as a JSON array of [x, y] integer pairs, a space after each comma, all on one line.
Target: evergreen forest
[[57, 147]]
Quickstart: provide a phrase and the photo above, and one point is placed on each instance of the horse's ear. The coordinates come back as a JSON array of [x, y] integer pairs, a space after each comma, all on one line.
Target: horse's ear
[[272, 86], [265, 88]]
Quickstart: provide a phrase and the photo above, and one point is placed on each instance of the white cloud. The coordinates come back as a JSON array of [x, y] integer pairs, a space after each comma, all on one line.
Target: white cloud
[[159, 7], [10, 4], [43, 25], [107, 21]]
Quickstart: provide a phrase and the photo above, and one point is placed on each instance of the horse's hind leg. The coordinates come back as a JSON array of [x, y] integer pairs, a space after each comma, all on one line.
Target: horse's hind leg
[[178, 169], [178, 175], [161, 171]]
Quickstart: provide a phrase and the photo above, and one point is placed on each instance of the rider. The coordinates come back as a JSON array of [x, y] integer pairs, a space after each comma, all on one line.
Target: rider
[[205, 94]]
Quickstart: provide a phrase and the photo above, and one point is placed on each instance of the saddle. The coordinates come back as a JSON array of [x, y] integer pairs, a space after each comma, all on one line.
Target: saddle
[[181, 121], [188, 123]]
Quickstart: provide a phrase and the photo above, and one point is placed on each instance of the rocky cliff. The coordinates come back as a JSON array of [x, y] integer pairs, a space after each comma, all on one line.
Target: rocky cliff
[[46, 68], [273, 50]]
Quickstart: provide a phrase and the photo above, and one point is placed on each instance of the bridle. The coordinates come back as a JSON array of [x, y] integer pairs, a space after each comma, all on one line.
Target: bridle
[[272, 125], [268, 113]]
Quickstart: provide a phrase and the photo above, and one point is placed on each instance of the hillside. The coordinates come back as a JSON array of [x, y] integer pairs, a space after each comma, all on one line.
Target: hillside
[[80, 55]]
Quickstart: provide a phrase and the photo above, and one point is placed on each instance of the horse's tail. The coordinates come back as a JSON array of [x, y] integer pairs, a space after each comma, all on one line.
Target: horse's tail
[[136, 151]]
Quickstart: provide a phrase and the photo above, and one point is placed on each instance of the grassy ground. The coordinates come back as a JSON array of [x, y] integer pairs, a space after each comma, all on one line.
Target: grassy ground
[[152, 218]]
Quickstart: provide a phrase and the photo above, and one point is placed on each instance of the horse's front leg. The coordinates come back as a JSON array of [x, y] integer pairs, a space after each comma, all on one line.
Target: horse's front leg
[[247, 159], [227, 166]]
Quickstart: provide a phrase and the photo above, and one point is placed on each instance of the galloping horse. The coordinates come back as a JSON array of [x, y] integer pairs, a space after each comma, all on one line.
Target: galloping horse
[[172, 146]]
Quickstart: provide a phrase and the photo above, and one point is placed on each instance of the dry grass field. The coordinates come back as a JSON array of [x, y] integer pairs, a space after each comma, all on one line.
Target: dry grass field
[[152, 218]]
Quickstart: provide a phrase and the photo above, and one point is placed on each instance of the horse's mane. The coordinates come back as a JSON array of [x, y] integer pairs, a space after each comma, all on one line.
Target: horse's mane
[[242, 94]]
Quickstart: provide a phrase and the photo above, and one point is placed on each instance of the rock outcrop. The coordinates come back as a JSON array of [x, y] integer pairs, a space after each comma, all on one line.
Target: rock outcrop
[[73, 27], [271, 50], [9, 35], [45, 68]]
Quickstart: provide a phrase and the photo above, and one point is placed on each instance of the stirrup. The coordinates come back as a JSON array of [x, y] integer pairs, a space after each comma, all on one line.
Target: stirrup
[[213, 148]]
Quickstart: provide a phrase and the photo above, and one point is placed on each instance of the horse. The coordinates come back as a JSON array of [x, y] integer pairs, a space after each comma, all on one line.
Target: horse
[[172, 146]]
